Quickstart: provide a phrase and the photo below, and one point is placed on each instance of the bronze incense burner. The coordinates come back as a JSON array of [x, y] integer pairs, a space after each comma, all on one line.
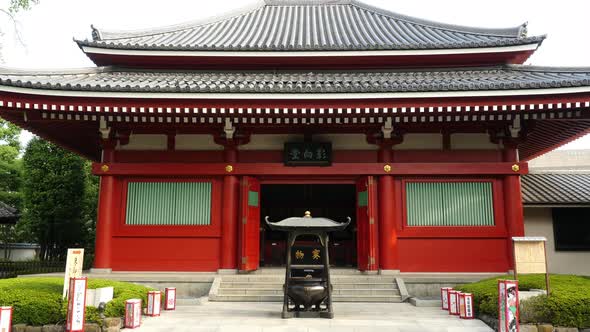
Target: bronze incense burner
[[307, 288]]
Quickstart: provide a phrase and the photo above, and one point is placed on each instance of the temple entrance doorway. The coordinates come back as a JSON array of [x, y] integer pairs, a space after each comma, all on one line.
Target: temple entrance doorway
[[334, 201]]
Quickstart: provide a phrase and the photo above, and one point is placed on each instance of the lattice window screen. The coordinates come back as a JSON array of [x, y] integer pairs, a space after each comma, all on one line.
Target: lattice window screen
[[169, 203], [449, 204]]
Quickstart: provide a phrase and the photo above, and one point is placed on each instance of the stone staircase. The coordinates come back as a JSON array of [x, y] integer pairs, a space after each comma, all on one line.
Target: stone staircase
[[268, 288]]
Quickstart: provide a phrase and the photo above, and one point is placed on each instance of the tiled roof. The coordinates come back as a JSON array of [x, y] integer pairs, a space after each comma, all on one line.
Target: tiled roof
[[110, 79], [311, 25], [7, 213], [556, 189]]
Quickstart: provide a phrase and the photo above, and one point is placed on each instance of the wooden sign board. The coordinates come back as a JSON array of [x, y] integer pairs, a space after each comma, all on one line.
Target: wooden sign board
[[74, 265], [530, 257]]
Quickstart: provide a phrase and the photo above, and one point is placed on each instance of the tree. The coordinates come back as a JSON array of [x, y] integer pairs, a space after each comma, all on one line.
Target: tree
[[54, 198], [10, 148], [91, 187]]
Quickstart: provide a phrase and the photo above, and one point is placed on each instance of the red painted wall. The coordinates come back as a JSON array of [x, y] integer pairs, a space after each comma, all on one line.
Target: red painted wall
[[452, 249], [165, 254], [452, 255], [419, 249], [166, 248]]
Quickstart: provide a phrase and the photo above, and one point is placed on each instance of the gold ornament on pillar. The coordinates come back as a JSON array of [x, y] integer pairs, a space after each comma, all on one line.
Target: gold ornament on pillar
[[229, 168], [515, 168], [387, 168], [104, 168]]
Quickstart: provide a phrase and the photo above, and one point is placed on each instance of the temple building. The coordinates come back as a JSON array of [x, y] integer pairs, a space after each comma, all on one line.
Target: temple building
[[420, 131]]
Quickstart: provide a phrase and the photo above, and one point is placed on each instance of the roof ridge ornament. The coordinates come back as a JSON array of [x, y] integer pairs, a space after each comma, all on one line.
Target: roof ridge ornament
[[95, 33], [524, 30]]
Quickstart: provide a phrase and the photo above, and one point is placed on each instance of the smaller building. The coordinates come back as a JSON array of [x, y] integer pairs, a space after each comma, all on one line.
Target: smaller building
[[8, 214], [557, 206]]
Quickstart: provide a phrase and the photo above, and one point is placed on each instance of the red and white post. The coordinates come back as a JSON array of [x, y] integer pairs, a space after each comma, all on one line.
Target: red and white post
[[454, 302], [466, 306], [154, 299], [170, 299], [5, 319], [444, 297], [508, 306], [132, 313], [76, 317]]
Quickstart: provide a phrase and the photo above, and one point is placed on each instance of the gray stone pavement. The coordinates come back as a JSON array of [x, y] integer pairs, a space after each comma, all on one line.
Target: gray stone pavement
[[350, 317]]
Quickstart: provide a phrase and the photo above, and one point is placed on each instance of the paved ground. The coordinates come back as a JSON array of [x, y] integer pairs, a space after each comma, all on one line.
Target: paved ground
[[350, 317]]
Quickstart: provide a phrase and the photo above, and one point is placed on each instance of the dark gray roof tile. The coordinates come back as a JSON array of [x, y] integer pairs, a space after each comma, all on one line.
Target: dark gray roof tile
[[110, 79], [556, 189], [311, 25], [7, 213]]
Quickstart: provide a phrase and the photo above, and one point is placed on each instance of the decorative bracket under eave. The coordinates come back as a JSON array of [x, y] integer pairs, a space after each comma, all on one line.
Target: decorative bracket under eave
[[104, 129]]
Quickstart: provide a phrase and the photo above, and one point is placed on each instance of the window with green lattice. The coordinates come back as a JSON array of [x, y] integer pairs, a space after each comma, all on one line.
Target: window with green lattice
[[168, 203], [449, 204]]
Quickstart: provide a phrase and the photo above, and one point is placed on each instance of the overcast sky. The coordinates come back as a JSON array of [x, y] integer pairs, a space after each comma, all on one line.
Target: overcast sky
[[48, 28]]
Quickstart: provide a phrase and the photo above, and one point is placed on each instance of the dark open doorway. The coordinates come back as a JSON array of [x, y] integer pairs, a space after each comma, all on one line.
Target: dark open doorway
[[334, 201]]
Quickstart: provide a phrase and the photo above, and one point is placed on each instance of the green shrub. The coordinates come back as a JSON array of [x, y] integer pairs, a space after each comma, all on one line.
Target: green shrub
[[37, 301], [568, 305]]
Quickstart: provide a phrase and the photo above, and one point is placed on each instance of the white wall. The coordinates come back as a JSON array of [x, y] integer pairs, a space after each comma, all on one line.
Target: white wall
[[539, 222], [146, 142], [472, 142], [21, 252]]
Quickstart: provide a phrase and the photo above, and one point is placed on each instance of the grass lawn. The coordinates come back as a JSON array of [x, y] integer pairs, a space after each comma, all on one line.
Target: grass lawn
[[38, 301], [568, 305]]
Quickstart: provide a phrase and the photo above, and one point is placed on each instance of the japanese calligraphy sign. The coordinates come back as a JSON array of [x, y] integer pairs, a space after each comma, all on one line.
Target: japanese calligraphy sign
[[5, 319], [508, 313], [153, 306], [466, 306], [454, 302], [76, 305], [308, 154], [74, 263], [170, 301], [307, 255], [444, 297], [132, 313]]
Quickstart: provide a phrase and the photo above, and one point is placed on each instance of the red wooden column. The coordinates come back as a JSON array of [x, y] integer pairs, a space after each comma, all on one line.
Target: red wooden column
[[512, 202], [229, 222], [388, 247], [106, 210]]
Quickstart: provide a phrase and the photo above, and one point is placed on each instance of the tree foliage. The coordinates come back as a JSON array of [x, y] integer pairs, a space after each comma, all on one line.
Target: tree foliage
[[9, 141], [54, 198], [89, 212], [16, 5]]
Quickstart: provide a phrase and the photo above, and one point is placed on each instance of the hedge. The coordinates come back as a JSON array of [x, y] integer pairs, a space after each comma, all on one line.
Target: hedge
[[568, 305], [38, 301]]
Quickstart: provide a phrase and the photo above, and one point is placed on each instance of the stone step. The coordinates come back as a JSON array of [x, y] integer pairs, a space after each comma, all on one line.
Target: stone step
[[335, 298], [335, 279], [279, 285], [275, 291], [281, 271]]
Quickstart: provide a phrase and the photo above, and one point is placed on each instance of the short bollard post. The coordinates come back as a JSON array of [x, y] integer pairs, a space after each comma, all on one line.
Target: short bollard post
[[154, 299], [132, 313], [466, 306], [444, 297], [170, 298], [76, 317], [5, 319], [454, 302]]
